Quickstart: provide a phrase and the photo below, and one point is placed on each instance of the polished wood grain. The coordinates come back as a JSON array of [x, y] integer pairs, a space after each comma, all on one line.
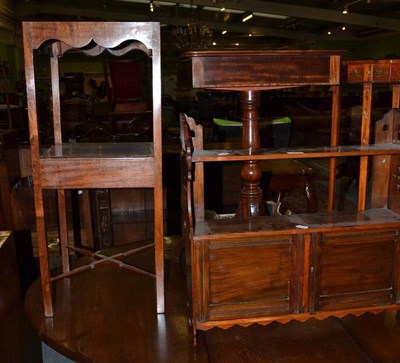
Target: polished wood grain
[[367, 74], [313, 341], [296, 223], [258, 69], [125, 328], [110, 315], [79, 166], [294, 153], [384, 71], [385, 130], [117, 173], [376, 335], [264, 269]]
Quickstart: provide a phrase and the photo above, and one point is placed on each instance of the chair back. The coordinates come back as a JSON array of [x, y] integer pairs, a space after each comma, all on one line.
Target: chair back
[[127, 92], [125, 80]]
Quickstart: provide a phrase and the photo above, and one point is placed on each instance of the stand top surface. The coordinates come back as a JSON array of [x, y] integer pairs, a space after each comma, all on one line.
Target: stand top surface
[[262, 53], [258, 69], [100, 150]]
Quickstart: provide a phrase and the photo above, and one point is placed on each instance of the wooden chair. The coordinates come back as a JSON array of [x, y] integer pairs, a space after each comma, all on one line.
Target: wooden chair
[[126, 83], [127, 95]]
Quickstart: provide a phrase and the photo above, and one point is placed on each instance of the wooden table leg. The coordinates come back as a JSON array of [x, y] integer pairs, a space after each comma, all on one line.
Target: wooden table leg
[[251, 202]]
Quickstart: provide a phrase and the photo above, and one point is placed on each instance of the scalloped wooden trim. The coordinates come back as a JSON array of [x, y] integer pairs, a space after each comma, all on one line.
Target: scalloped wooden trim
[[58, 31], [284, 319]]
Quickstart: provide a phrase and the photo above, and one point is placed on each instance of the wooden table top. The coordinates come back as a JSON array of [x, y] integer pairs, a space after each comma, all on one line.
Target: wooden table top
[[109, 315], [258, 69]]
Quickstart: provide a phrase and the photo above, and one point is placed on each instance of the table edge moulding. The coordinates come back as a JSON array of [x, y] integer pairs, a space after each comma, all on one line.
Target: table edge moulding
[[109, 165], [256, 268]]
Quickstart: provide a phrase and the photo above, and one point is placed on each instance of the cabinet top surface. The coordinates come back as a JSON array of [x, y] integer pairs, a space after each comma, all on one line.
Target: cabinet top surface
[[371, 61], [294, 153], [100, 150], [263, 53], [321, 221]]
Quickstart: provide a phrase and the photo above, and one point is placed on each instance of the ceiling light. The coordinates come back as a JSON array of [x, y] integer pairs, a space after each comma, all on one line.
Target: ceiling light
[[250, 34], [214, 43], [233, 11], [343, 28], [224, 32], [329, 33], [188, 6], [237, 44], [136, 1], [272, 16], [225, 10], [194, 35], [210, 8], [345, 10], [247, 17]]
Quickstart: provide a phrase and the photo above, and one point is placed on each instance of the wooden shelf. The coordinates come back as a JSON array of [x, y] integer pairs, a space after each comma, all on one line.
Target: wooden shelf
[[100, 150], [294, 153], [296, 223], [115, 165]]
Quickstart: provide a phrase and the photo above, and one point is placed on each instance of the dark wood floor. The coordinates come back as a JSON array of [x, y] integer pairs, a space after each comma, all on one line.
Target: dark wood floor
[[117, 323]]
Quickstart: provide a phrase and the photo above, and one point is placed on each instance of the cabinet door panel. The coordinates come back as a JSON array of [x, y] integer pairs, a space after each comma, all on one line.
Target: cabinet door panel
[[356, 269], [247, 277]]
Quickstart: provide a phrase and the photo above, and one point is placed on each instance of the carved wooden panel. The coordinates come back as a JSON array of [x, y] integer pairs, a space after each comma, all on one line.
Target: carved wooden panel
[[248, 276], [355, 269]]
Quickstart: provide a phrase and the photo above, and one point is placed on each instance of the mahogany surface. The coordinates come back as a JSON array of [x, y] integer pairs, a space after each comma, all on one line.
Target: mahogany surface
[[110, 315], [296, 223], [125, 328], [266, 269], [258, 69], [118, 163], [95, 166], [294, 153]]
